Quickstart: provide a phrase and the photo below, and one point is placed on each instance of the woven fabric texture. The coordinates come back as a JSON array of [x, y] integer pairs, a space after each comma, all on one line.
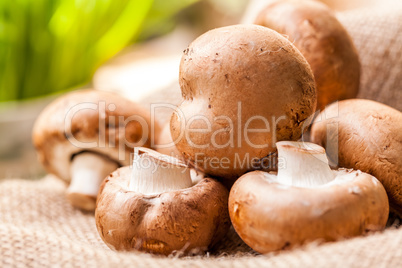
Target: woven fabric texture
[[377, 34], [38, 228]]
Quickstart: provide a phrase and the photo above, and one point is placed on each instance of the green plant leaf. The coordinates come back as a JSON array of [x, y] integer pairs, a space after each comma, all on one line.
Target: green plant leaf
[[49, 46]]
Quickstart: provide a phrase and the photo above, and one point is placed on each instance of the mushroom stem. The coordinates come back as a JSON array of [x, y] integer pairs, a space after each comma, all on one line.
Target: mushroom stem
[[88, 170], [303, 164], [155, 173]]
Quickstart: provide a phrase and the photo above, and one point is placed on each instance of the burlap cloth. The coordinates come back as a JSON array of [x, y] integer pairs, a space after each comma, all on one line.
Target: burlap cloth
[[38, 228], [377, 34]]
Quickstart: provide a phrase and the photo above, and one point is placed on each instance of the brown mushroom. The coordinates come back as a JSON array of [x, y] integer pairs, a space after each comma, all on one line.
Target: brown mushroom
[[244, 87], [365, 135], [305, 201], [321, 38], [155, 207], [83, 136]]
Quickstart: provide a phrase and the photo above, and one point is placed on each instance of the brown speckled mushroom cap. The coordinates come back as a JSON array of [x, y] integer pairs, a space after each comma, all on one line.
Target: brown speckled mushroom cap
[[324, 42], [187, 220], [365, 135], [270, 216], [54, 137], [248, 66]]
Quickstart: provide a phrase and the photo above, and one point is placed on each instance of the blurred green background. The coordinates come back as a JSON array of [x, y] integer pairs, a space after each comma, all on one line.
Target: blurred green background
[[49, 46]]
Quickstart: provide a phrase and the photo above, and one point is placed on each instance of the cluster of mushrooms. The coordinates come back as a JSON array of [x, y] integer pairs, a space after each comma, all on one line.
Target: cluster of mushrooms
[[296, 58]]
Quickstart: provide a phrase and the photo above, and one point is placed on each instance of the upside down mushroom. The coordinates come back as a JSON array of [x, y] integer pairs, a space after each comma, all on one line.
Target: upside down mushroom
[[305, 201], [365, 135], [323, 41], [83, 136], [155, 207]]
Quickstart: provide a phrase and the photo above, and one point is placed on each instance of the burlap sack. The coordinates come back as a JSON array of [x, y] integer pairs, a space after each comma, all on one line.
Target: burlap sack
[[38, 228], [377, 34]]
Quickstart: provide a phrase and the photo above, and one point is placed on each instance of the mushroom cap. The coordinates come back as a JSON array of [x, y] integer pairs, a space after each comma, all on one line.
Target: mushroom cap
[[182, 220], [323, 41], [89, 120], [365, 135], [269, 216], [241, 65]]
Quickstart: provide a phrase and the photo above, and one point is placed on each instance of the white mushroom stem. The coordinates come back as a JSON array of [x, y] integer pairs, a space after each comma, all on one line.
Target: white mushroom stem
[[303, 164], [88, 170], [154, 173]]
